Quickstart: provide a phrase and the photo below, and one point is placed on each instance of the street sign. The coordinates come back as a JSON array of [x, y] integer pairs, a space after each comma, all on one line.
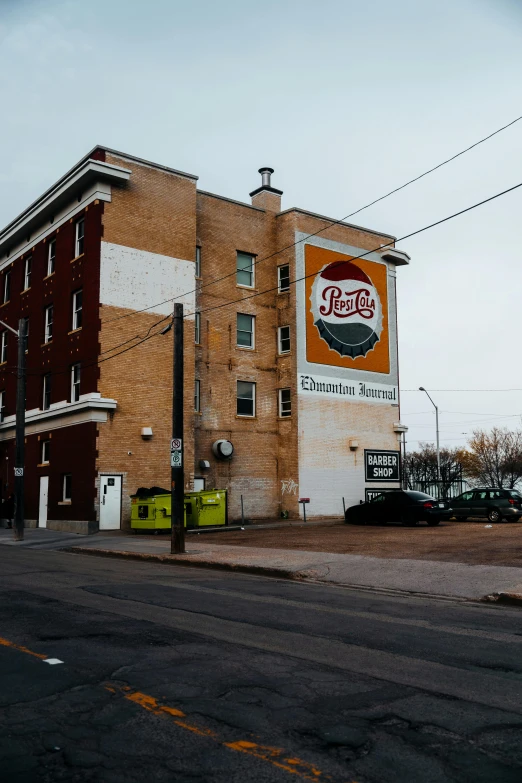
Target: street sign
[[19, 471], [175, 444], [304, 500], [175, 459], [381, 465]]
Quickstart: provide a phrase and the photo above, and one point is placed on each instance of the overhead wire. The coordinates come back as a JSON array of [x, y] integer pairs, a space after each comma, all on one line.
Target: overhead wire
[[324, 228]]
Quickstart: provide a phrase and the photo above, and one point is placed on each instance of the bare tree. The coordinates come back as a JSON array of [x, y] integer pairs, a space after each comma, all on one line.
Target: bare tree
[[420, 468], [494, 458]]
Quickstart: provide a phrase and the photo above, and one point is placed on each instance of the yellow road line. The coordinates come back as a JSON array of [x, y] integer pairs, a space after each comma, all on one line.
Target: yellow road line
[[275, 756], [20, 648]]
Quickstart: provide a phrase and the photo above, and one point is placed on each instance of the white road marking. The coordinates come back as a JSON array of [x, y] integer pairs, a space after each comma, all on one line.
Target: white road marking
[[52, 661]]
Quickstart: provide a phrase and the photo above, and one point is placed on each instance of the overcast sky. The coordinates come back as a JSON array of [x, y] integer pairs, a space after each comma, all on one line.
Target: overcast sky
[[345, 100]]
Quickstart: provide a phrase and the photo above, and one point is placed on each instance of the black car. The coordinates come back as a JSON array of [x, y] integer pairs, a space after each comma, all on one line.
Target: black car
[[401, 505], [491, 502]]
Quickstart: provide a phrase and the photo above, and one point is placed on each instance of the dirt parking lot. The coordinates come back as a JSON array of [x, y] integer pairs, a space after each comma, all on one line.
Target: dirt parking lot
[[457, 542]]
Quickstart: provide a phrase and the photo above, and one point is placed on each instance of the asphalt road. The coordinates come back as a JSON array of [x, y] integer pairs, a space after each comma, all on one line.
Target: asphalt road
[[177, 674]]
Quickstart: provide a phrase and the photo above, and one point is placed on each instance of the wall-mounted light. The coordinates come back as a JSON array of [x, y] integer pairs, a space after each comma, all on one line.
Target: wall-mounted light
[[146, 433], [354, 445]]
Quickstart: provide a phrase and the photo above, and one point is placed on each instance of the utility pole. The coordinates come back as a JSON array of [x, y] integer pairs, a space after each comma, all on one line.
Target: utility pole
[[19, 478], [177, 496]]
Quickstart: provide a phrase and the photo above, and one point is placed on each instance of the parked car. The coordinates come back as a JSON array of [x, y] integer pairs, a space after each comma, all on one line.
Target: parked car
[[491, 502], [401, 505]]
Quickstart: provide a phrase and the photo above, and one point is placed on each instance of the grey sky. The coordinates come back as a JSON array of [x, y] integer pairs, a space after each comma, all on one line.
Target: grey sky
[[346, 100]]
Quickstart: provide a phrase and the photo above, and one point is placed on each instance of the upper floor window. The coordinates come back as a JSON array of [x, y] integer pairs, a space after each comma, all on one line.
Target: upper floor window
[[283, 278], [283, 339], [46, 452], [3, 347], [245, 269], [27, 272], [197, 328], [198, 262], [80, 236], [245, 330], [46, 392], [7, 286], [75, 382], [77, 309], [48, 326], [2, 406], [51, 257], [285, 402], [197, 397], [246, 398]]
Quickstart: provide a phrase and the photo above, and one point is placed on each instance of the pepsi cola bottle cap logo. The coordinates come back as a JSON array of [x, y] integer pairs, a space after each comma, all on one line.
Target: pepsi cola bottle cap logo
[[347, 309]]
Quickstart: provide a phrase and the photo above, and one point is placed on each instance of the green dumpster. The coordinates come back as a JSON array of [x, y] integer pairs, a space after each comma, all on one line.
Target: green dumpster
[[206, 508]]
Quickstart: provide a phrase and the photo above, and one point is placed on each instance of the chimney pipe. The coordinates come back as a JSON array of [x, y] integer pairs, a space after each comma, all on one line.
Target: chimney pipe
[[266, 172]]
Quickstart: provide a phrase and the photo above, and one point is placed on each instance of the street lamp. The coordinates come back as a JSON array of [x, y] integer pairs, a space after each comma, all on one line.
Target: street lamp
[[421, 388]]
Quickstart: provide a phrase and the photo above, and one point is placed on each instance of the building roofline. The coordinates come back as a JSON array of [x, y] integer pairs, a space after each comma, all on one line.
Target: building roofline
[[231, 200], [336, 222], [160, 166]]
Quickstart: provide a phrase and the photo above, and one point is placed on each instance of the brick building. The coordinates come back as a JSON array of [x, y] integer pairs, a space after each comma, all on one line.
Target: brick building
[[301, 378]]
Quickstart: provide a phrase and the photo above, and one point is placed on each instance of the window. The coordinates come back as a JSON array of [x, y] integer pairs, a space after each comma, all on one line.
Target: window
[[66, 487], [2, 406], [3, 347], [80, 236], [48, 330], [246, 398], [46, 396], [198, 262], [7, 286], [46, 450], [245, 330], [77, 310], [245, 269], [75, 382], [26, 334], [283, 278], [197, 399], [466, 496], [27, 272], [51, 257], [197, 328], [285, 402], [283, 339]]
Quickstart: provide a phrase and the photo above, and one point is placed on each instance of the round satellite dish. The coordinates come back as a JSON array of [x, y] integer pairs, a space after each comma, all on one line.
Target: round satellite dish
[[223, 449]]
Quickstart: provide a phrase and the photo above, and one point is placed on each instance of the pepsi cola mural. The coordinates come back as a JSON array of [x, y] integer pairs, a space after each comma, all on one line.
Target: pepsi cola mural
[[347, 309]]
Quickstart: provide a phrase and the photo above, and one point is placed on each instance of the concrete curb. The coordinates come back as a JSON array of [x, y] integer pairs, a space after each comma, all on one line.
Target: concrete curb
[[279, 573], [509, 599]]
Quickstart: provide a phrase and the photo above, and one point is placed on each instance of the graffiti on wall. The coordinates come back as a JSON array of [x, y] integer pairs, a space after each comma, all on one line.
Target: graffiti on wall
[[288, 486]]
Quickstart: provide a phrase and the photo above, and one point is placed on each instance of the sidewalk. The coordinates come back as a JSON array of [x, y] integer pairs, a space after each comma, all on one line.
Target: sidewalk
[[450, 580]]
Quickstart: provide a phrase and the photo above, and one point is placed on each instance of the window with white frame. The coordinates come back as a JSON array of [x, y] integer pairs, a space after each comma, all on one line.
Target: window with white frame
[[246, 398], [197, 398], [75, 382], [51, 257], [283, 339], [67, 487], [245, 328], [46, 452], [80, 237], [283, 278], [46, 392], [197, 328], [2, 405], [26, 334], [245, 269], [77, 308], [7, 286], [198, 262], [285, 403], [48, 324], [27, 272], [3, 347]]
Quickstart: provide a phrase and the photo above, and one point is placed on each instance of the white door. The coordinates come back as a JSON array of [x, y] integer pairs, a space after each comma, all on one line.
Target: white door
[[42, 508], [110, 502]]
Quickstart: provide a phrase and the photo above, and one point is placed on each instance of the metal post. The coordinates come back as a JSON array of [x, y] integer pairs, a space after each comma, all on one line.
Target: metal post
[[304, 512], [20, 436], [177, 541], [344, 507], [242, 512], [421, 388]]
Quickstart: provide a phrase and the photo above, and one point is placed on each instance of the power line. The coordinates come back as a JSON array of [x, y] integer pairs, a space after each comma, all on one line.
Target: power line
[[466, 390], [332, 223], [363, 255]]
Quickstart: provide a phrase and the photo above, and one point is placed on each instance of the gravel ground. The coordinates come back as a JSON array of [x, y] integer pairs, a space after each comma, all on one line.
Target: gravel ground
[[456, 542]]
